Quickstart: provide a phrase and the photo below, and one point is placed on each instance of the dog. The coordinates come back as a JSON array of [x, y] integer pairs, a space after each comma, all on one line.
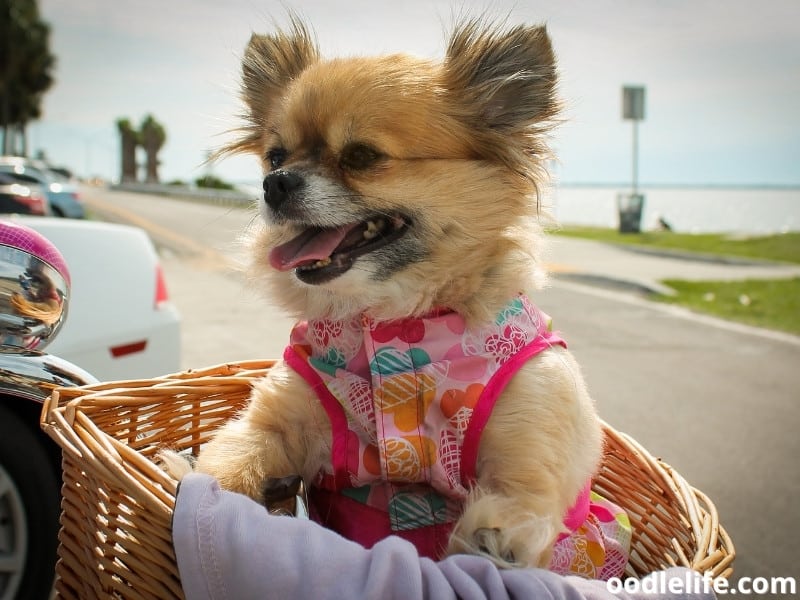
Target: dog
[[421, 391]]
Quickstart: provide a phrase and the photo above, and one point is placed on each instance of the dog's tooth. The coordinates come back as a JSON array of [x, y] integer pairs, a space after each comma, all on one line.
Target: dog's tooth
[[371, 231]]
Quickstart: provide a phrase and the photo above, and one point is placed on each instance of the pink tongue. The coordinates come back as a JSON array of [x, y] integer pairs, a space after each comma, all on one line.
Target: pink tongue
[[309, 246]]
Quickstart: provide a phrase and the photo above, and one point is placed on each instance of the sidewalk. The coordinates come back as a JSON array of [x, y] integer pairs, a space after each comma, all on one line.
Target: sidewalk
[[634, 269]]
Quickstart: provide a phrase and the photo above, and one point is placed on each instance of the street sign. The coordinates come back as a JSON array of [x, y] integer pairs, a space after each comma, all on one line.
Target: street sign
[[633, 103]]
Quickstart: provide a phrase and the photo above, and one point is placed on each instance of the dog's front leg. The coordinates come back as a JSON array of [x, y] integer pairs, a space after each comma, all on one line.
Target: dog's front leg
[[283, 431], [540, 447]]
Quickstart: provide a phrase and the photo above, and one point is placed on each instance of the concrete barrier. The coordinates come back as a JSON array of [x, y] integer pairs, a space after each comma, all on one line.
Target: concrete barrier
[[209, 195]]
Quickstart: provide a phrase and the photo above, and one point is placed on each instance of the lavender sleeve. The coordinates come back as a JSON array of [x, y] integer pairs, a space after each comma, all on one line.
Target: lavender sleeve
[[228, 547]]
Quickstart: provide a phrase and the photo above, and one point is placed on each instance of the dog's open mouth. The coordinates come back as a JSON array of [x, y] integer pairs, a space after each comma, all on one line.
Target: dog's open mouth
[[319, 254]]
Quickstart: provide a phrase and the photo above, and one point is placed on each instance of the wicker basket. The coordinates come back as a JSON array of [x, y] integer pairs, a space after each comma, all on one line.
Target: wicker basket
[[117, 504]]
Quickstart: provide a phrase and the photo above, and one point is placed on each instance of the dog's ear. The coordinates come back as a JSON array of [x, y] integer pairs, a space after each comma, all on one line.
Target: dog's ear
[[272, 61], [507, 76], [269, 64]]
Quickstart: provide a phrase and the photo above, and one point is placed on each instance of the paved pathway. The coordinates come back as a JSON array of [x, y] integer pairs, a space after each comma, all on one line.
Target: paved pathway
[[609, 264]]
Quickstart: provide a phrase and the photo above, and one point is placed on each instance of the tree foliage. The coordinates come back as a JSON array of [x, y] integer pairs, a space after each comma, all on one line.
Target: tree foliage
[[151, 136], [129, 140], [152, 133], [26, 65], [213, 182]]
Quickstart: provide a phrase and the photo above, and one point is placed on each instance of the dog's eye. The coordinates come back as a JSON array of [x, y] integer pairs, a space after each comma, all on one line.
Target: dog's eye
[[276, 157], [359, 156]]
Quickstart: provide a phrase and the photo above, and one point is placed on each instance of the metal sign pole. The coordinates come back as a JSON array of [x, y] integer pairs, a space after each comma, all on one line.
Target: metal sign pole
[[635, 156], [630, 205]]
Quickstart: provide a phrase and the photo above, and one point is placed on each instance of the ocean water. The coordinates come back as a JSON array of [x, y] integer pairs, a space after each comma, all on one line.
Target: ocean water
[[690, 210], [735, 210]]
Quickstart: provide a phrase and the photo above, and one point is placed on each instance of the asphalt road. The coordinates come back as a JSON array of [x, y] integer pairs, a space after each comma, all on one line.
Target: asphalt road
[[719, 405]]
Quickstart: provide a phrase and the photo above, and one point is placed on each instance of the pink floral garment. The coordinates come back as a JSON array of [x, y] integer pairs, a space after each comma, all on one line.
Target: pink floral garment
[[408, 401]]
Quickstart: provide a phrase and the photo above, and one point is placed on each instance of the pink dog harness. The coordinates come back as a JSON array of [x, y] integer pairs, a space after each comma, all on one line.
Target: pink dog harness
[[408, 401]]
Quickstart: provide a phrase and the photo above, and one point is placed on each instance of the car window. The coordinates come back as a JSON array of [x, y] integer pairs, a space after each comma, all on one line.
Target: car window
[[38, 173], [20, 177], [56, 176], [32, 173]]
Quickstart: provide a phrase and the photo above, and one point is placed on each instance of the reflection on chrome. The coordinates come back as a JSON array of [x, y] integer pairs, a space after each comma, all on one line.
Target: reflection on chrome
[[33, 294]]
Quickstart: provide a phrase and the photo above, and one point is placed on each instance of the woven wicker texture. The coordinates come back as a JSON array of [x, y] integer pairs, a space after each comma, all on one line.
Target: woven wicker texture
[[117, 503]]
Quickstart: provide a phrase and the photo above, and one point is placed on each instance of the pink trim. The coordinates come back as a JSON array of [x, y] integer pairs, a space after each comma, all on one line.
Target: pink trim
[[579, 512], [339, 437], [485, 405]]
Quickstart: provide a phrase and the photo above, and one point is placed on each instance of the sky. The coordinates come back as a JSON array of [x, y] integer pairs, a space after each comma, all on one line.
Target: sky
[[722, 79]]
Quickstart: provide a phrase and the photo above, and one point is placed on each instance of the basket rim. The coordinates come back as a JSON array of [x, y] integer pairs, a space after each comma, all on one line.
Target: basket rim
[[65, 417]]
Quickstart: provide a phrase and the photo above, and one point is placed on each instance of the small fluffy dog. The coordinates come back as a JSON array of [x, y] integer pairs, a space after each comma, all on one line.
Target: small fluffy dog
[[421, 394]]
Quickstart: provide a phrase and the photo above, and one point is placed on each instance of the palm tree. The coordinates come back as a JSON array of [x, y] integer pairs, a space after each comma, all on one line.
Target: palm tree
[[129, 140], [153, 136], [25, 68]]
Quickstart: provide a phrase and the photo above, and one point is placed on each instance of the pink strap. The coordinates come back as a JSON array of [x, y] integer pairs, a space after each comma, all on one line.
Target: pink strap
[[577, 515], [485, 405], [332, 407], [579, 511]]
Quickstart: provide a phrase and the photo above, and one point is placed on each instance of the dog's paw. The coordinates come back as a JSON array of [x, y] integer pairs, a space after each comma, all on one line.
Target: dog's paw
[[279, 494], [497, 528], [490, 542], [175, 463]]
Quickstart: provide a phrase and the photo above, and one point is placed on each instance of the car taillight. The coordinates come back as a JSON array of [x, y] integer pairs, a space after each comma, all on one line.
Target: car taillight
[[37, 204], [162, 296], [127, 349]]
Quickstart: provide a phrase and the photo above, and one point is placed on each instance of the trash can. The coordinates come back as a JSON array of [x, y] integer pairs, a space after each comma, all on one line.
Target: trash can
[[629, 207]]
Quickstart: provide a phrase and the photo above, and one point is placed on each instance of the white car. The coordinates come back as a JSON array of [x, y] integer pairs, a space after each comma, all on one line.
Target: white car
[[120, 322]]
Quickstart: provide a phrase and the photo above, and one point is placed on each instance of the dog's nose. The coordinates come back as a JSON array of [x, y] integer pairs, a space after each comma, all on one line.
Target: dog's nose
[[277, 187]]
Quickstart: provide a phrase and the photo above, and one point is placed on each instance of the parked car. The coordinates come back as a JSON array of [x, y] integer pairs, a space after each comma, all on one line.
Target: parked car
[[34, 299], [112, 316], [61, 191], [21, 198], [121, 322]]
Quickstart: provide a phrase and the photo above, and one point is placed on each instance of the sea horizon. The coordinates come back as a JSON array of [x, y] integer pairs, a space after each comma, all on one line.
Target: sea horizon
[[749, 209]]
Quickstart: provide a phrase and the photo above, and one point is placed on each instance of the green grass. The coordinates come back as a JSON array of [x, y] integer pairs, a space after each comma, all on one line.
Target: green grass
[[784, 247], [772, 304]]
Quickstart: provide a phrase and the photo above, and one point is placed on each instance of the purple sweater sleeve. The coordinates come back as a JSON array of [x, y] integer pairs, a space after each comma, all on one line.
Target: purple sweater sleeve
[[229, 547]]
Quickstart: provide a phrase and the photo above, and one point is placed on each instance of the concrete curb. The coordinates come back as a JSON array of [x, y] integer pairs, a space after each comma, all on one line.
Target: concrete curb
[[194, 194], [644, 288], [698, 256]]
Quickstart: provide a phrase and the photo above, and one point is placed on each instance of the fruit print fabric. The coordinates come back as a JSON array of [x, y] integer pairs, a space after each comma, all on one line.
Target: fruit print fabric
[[599, 547]]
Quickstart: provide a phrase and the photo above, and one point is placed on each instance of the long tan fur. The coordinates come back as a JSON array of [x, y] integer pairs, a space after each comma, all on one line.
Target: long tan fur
[[462, 150]]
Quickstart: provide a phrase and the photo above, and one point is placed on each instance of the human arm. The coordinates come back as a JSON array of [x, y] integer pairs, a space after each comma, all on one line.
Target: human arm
[[228, 546]]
